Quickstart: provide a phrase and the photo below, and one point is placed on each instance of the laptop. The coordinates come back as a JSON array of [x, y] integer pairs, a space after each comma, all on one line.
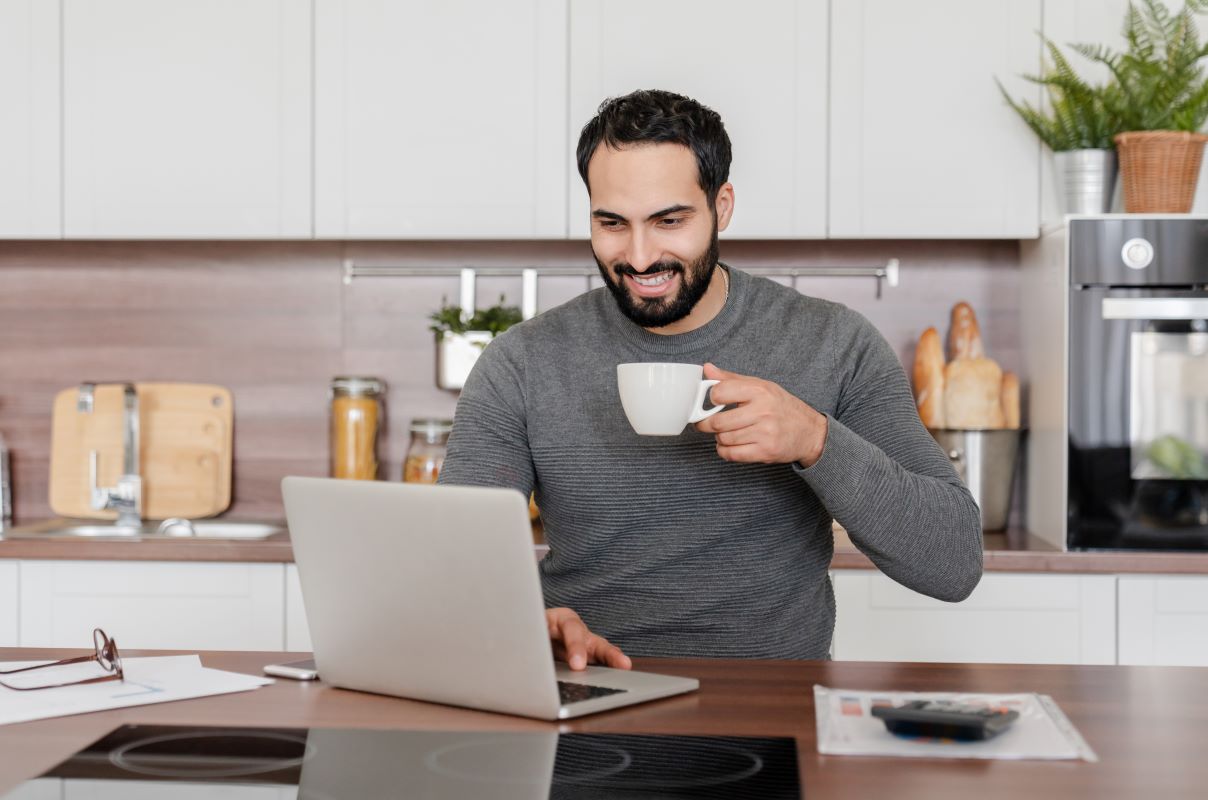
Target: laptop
[[432, 593]]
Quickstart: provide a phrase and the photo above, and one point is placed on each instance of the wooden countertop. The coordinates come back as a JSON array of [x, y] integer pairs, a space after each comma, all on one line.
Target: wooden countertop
[[1145, 723], [1012, 551]]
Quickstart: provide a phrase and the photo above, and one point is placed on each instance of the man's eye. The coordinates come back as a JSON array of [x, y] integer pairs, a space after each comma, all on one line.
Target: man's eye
[[671, 222], [609, 224]]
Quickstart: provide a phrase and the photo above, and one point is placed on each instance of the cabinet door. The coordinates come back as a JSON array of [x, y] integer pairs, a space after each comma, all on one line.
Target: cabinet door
[[440, 119], [761, 65], [9, 592], [29, 138], [186, 119], [153, 604], [1009, 618], [922, 143], [1164, 620], [297, 632]]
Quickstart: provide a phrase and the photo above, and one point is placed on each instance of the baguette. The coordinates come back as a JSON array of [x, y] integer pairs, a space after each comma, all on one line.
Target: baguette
[[973, 394], [1010, 400], [964, 334], [929, 378]]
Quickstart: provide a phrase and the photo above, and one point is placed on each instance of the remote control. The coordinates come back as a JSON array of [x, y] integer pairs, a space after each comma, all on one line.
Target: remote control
[[945, 719]]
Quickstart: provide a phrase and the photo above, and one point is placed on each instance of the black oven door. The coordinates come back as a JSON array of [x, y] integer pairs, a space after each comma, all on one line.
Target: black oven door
[[1138, 419]]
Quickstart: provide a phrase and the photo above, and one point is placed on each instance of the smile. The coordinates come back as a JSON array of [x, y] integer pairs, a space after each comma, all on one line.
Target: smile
[[655, 280]]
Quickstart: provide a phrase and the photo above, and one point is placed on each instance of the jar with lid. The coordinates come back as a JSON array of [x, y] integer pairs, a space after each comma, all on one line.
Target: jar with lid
[[356, 416], [426, 452]]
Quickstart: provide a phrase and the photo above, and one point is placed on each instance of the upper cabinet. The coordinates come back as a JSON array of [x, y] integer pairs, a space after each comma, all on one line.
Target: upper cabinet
[[29, 138], [187, 119], [922, 143], [762, 65], [440, 119]]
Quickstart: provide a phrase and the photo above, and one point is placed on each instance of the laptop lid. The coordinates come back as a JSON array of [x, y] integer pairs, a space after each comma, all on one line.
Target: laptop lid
[[429, 592]]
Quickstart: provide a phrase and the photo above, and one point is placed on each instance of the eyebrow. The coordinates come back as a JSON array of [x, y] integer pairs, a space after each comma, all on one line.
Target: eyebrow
[[600, 213]]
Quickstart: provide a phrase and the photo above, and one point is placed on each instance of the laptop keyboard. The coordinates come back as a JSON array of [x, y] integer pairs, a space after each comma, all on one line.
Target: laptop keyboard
[[578, 692]]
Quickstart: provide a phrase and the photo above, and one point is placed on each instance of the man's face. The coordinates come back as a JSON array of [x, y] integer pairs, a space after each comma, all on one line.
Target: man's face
[[653, 233]]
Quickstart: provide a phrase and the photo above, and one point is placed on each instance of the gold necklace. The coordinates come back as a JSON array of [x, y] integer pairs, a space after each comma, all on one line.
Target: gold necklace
[[725, 276]]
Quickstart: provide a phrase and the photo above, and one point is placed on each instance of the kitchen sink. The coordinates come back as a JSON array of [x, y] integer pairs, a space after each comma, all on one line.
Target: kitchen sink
[[168, 529]]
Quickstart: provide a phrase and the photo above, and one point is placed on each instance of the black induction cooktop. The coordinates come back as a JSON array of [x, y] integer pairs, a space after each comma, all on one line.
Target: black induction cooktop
[[323, 763]]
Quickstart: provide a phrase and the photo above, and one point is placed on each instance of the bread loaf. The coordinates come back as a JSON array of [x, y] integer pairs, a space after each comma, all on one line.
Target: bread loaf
[[964, 335], [929, 378], [973, 394], [1010, 400]]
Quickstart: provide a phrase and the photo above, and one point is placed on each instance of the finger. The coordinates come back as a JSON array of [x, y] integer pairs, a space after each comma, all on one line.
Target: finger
[[606, 653], [745, 453], [716, 373], [737, 390], [733, 420], [573, 635]]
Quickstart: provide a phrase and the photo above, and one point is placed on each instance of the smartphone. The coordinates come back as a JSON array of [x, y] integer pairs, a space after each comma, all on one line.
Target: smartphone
[[298, 670]]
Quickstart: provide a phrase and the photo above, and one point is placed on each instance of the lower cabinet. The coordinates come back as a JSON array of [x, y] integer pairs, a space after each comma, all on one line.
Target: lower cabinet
[[297, 634], [1009, 618], [9, 592], [1164, 620], [172, 605]]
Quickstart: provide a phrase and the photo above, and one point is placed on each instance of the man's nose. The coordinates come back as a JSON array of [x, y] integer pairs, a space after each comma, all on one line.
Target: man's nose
[[642, 251]]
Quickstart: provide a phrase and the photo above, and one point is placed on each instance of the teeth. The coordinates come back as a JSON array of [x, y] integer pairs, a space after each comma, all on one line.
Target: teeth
[[660, 278]]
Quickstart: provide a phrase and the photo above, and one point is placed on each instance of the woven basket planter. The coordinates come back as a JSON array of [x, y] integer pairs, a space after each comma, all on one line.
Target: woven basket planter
[[1159, 170]]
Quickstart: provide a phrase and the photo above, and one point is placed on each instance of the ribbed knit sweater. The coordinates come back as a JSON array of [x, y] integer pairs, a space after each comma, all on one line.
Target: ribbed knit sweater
[[666, 549]]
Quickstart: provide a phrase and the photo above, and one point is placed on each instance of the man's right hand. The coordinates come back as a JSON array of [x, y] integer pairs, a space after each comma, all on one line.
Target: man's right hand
[[578, 646]]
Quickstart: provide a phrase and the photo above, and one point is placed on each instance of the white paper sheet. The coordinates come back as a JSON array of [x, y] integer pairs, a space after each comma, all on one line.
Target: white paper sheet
[[159, 679], [1042, 731]]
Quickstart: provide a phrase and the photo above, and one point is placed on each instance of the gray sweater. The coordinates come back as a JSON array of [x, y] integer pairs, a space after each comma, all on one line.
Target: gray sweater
[[668, 550]]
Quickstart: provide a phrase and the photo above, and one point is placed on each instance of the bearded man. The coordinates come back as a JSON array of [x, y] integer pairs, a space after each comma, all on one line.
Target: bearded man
[[716, 542]]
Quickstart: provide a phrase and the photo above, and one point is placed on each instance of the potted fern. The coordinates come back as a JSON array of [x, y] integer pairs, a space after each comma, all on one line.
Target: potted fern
[[1159, 94], [461, 337], [1078, 127]]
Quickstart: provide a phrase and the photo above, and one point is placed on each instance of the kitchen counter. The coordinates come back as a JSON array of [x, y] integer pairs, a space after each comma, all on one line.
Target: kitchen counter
[[1012, 551]]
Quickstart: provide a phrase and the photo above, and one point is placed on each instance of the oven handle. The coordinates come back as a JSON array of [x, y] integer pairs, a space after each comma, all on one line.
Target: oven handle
[[1155, 308]]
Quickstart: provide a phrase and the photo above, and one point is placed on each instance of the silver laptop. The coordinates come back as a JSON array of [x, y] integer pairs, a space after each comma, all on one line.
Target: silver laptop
[[432, 593]]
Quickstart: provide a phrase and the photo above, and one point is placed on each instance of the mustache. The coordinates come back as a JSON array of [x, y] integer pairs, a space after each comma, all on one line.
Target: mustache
[[623, 268]]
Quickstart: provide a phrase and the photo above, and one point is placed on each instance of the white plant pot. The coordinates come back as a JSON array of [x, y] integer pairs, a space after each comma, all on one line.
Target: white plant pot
[[455, 356]]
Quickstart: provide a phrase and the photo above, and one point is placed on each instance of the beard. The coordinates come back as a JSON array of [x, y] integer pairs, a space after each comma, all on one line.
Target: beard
[[657, 312]]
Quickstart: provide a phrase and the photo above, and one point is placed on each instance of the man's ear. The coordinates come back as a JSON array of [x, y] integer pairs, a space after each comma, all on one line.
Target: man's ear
[[724, 205]]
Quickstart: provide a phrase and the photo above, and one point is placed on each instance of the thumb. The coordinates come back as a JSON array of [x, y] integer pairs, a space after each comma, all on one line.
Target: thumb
[[716, 373]]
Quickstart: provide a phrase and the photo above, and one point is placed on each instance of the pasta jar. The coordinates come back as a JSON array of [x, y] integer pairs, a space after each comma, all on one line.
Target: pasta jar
[[356, 416], [426, 452]]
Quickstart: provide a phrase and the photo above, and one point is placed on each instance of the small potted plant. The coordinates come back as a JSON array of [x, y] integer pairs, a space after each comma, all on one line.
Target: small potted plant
[[1078, 127], [1160, 95], [461, 337]]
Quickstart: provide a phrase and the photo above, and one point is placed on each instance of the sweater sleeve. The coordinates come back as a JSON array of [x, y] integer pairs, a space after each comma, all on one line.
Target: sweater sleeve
[[489, 445], [888, 482]]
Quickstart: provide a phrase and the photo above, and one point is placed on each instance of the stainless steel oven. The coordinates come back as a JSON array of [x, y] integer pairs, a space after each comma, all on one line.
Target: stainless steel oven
[[1137, 416]]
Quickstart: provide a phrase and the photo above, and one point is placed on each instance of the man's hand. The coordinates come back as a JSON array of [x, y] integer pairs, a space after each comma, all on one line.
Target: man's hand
[[577, 646], [768, 426]]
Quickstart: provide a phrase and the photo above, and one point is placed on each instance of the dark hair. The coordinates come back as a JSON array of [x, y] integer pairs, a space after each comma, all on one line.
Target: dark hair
[[654, 116]]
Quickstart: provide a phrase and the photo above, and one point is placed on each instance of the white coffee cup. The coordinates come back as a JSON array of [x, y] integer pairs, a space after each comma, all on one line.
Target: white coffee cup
[[660, 399]]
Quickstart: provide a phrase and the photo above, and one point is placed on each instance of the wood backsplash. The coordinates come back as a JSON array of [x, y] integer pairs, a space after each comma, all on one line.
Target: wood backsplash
[[274, 322]]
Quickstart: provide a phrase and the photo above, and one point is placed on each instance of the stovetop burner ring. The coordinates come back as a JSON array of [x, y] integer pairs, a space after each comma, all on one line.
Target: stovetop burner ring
[[125, 757]]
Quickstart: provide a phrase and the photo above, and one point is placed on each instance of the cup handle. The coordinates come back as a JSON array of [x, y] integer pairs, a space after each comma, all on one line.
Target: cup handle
[[697, 412]]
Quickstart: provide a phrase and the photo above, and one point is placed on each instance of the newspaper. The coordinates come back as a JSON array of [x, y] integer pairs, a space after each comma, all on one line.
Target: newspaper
[[1042, 731]]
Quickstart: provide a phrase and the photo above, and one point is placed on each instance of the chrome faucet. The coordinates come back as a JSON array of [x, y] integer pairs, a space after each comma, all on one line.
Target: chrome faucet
[[127, 497]]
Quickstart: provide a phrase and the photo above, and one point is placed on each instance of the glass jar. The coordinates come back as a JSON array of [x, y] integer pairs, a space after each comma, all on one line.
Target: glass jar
[[426, 452], [356, 416]]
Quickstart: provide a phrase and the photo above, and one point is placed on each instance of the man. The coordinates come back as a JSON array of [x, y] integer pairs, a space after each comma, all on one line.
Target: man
[[716, 542]]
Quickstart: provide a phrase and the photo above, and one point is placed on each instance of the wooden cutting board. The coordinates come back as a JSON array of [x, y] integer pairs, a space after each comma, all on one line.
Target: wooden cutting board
[[184, 452]]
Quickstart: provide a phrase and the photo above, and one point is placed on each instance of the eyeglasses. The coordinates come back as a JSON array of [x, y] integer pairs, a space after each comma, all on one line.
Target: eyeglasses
[[106, 655]]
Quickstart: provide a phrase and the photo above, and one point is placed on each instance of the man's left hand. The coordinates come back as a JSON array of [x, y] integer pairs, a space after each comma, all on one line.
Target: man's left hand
[[768, 425]]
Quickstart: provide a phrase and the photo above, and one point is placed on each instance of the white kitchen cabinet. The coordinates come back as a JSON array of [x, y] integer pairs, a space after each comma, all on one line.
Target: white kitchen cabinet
[[762, 65], [88, 789], [297, 632], [37, 789], [1009, 618], [1164, 620], [442, 120], [29, 138], [923, 145], [153, 604], [186, 119], [9, 592]]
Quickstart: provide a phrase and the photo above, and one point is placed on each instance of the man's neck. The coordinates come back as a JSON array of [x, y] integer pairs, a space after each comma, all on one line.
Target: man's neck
[[708, 307]]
